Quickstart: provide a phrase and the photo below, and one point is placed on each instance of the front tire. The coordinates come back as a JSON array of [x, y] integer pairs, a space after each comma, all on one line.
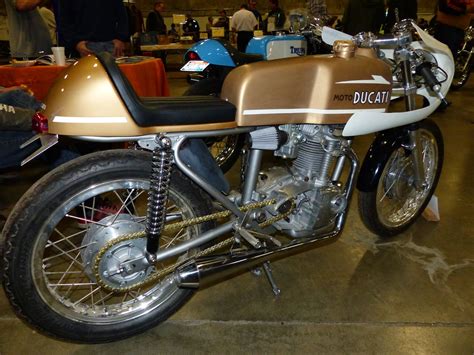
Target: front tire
[[395, 204], [47, 274]]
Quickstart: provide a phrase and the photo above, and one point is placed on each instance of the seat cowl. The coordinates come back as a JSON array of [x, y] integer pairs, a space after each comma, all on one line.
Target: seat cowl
[[167, 111]]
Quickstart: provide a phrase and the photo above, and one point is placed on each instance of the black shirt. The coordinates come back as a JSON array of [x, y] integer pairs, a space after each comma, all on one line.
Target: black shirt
[[92, 20]]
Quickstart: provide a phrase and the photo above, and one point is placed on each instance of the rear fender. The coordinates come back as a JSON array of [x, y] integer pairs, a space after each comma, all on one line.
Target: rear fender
[[377, 156], [195, 154], [214, 52]]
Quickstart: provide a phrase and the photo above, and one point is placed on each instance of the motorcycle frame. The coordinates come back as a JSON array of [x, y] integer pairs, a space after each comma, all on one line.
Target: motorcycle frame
[[251, 175]]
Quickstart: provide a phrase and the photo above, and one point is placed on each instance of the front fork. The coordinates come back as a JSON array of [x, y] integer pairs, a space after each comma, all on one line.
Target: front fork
[[414, 141]]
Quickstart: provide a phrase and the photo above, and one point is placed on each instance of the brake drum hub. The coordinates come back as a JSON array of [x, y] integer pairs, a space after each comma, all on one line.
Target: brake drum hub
[[116, 267]]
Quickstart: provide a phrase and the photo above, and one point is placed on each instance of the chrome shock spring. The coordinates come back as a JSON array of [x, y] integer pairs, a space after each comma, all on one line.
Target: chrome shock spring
[[158, 195]]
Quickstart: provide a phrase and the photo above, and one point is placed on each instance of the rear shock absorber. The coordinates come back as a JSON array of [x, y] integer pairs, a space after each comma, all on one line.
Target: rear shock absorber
[[158, 194]]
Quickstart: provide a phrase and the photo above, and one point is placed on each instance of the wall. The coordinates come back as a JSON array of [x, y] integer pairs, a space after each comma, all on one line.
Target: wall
[[211, 7], [203, 8]]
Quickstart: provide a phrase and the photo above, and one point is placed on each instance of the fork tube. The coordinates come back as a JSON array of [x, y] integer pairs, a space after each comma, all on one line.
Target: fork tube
[[409, 86], [250, 182], [415, 145]]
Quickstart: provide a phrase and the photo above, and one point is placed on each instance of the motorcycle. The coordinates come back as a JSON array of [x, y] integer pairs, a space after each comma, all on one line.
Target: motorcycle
[[464, 60], [155, 228], [211, 60]]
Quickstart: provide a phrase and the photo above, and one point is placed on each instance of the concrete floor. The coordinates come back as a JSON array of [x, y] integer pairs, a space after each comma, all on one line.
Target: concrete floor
[[412, 294]]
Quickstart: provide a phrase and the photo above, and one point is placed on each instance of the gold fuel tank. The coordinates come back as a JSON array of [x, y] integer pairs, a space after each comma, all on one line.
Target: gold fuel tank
[[321, 89]]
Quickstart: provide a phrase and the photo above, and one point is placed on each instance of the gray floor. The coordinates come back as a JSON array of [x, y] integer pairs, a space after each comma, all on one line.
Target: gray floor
[[412, 294]]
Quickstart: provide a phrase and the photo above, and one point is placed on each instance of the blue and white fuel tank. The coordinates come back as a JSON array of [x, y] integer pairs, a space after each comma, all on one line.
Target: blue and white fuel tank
[[277, 47]]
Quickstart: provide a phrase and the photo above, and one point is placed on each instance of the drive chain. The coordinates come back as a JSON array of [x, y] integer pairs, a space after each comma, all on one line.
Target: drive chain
[[176, 226]]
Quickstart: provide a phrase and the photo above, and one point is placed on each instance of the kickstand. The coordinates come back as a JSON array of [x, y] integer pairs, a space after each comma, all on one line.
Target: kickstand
[[268, 272]]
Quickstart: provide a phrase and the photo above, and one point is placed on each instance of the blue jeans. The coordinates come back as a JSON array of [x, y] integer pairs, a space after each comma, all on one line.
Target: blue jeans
[[11, 155], [20, 98], [98, 47]]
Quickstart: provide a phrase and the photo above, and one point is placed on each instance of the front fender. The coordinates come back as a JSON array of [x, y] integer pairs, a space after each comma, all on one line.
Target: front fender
[[377, 156]]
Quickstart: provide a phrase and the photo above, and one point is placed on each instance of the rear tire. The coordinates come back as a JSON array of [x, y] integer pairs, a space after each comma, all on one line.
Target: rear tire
[[396, 204], [46, 275]]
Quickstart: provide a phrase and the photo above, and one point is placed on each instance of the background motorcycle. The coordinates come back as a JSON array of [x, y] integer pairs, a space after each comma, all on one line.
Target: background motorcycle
[[215, 58], [464, 60], [152, 230]]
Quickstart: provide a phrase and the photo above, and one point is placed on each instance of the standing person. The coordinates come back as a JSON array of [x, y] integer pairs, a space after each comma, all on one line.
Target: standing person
[[243, 23], [29, 35], [155, 21], [252, 6], [453, 17], [191, 27], [276, 17], [223, 21], [47, 14], [90, 26], [407, 9], [363, 16]]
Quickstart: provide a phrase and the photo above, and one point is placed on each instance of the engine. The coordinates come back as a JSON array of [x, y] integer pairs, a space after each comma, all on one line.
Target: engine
[[308, 180]]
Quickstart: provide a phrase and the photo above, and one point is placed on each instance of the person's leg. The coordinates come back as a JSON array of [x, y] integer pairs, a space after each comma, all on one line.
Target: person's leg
[[98, 47], [20, 98], [10, 153], [451, 36]]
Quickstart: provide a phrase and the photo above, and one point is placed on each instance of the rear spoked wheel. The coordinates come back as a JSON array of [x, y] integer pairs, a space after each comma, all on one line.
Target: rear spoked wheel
[[62, 222]]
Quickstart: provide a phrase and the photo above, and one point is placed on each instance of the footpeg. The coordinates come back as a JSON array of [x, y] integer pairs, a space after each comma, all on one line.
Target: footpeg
[[254, 242], [268, 272]]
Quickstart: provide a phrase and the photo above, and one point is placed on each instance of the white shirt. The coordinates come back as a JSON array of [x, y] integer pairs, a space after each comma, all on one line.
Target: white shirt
[[243, 20]]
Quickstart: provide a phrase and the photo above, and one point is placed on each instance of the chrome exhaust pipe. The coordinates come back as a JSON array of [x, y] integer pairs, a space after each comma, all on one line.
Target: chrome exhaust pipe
[[210, 270]]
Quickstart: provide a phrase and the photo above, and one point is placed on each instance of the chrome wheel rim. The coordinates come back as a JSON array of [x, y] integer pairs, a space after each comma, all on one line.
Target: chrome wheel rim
[[58, 269], [398, 200]]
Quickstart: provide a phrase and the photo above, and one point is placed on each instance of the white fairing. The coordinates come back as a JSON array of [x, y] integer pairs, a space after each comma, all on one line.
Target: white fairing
[[330, 35], [369, 122], [286, 49]]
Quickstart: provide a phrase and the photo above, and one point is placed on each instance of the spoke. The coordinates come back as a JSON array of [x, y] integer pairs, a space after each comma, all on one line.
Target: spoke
[[103, 298], [74, 284], [65, 239], [178, 235], [62, 272], [86, 296], [66, 254], [67, 270], [87, 221]]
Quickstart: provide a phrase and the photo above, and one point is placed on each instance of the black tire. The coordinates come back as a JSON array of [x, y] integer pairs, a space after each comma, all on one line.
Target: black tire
[[396, 187], [33, 264], [225, 149], [461, 75]]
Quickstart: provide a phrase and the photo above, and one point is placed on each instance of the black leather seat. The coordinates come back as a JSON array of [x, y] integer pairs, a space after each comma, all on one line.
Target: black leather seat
[[167, 111]]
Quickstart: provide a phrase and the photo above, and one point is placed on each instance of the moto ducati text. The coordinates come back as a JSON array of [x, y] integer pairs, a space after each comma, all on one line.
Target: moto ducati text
[[115, 242]]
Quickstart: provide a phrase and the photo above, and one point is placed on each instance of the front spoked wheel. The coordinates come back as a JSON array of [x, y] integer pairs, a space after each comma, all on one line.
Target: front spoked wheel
[[57, 230], [397, 202]]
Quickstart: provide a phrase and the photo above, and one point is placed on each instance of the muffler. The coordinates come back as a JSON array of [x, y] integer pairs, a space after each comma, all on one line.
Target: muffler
[[209, 270]]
